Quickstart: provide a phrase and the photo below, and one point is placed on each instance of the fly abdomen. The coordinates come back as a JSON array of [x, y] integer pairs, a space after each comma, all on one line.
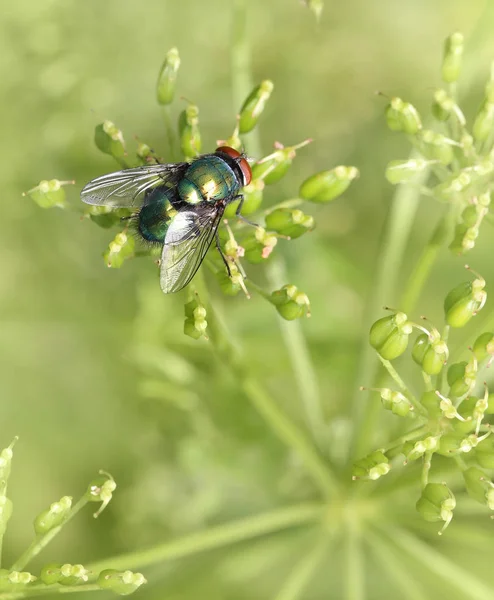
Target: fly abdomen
[[155, 215]]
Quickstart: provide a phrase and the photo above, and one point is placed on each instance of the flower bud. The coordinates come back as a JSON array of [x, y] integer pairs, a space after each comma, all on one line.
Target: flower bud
[[106, 216], [399, 171], [484, 453], [252, 194], [443, 107], [109, 139], [396, 402], [389, 335], [403, 116], [195, 324], [436, 503], [479, 487], [54, 516], [254, 105], [121, 583], [464, 301], [273, 167], [452, 186], [290, 302], [119, 249], [484, 122], [484, 346], [165, 87], [457, 442], [412, 450], [101, 490], [290, 222], [430, 352], [188, 129], [258, 245], [328, 185], [453, 51], [448, 408], [5, 465], [372, 467], [232, 285], [15, 581], [462, 377], [67, 574], [436, 146], [431, 402], [49, 194]]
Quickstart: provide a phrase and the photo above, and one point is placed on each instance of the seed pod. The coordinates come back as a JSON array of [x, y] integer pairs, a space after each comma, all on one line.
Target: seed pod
[[403, 116], [73, 575], [119, 249], [109, 139], [254, 105], [195, 324], [290, 302], [436, 503], [232, 285], [396, 402], [464, 301], [484, 453], [165, 87], [469, 413], [430, 352], [452, 186], [464, 239], [49, 194], [462, 377], [372, 467], [389, 335], [120, 582], [50, 573], [484, 122], [484, 346], [447, 407], [400, 171], [258, 245], [456, 443], [290, 222], [54, 516], [452, 57], [436, 146], [328, 185], [5, 513], [188, 129], [431, 402], [273, 167], [478, 486], [101, 490], [252, 194]]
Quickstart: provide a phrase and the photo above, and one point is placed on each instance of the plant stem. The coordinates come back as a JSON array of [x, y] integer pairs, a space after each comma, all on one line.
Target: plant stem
[[42, 540], [401, 384], [395, 568], [303, 572], [43, 590], [215, 537], [411, 435], [424, 264], [457, 577], [426, 467], [170, 134], [301, 362], [440, 375]]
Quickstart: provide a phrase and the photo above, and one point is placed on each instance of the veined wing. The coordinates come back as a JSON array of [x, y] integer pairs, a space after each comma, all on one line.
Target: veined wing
[[186, 242], [127, 188]]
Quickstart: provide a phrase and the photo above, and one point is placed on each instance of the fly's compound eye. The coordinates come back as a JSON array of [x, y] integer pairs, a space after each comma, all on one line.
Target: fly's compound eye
[[241, 161]]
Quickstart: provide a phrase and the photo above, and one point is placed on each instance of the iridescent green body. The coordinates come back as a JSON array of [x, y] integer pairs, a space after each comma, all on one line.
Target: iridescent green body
[[209, 178], [156, 214]]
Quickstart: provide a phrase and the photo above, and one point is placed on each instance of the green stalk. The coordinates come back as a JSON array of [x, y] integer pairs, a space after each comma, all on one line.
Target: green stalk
[[355, 565], [170, 134], [42, 540], [215, 537], [401, 384], [457, 577], [43, 590], [303, 572]]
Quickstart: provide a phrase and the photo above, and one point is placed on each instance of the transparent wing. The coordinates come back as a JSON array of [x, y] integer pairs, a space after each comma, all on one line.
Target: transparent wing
[[186, 243], [127, 188]]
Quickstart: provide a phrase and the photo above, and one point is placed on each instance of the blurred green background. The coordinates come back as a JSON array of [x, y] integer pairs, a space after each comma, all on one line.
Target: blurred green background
[[94, 369]]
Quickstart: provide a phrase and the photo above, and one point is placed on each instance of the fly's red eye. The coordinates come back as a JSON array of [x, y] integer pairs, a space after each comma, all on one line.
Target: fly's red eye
[[242, 162]]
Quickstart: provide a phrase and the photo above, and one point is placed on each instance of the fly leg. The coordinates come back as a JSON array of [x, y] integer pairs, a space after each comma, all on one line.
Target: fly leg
[[218, 245], [239, 208]]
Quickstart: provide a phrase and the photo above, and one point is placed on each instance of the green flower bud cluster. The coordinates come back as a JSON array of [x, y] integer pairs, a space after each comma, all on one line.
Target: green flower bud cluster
[[15, 581], [165, 87], [452, 415], [371, 467], [189, 134], [254, 105], [120, 248], [290, 302], [49, 194], [109, 139]]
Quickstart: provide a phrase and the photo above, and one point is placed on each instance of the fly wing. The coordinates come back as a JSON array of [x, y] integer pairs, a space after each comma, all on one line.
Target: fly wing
[[186, 243], [127, 188]]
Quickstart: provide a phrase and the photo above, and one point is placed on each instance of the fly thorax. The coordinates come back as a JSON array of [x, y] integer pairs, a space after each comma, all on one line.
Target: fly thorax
[[208, 179]]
